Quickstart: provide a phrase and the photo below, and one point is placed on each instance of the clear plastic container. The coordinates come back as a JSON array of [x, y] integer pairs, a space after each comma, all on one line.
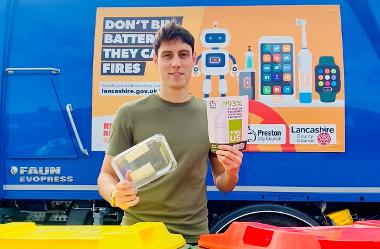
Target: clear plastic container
[[147, 161]]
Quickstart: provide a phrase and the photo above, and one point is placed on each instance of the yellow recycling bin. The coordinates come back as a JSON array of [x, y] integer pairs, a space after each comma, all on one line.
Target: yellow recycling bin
[[144, 235]]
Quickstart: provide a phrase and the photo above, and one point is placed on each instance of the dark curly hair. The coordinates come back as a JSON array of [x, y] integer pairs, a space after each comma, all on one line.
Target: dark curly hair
[[172, 31]]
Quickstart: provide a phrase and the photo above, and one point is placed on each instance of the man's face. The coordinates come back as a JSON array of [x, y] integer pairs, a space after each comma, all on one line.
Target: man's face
[[175, 61]]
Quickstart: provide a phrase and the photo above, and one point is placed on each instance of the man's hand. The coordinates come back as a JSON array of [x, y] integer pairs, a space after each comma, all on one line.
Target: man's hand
[[126, 193], [231, 159]]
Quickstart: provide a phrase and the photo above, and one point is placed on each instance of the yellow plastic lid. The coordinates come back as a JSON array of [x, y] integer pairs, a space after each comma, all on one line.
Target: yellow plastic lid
[[143, 235], [341, 218]]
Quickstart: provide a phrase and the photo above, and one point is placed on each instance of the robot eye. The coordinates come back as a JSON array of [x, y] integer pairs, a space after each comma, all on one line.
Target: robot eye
[[216, 38]]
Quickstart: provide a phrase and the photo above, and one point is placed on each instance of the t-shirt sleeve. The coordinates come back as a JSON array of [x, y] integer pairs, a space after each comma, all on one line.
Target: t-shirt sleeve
[[121, 131]]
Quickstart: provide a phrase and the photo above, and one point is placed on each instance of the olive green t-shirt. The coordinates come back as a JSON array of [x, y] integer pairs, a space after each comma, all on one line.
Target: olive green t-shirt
[[179, 198]]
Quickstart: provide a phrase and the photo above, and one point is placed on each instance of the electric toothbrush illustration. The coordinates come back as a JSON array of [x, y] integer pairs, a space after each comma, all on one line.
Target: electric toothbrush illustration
[[247, 76], [249, 59], [304, 67]]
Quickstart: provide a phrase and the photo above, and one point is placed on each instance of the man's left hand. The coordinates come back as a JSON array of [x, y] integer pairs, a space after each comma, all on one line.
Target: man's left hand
[[231, 159]]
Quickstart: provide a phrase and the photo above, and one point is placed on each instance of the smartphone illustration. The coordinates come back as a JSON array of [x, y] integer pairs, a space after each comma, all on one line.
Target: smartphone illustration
[[276, 75]]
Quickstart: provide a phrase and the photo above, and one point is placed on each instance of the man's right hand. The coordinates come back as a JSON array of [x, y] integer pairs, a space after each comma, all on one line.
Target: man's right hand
[[126, 194]]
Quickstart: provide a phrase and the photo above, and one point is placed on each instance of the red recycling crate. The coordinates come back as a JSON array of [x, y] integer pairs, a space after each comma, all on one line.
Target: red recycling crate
[[253, 235], [374, 223]]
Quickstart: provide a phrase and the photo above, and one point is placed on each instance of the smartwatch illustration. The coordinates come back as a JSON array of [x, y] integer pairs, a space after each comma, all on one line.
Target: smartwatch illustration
[[327, 79]]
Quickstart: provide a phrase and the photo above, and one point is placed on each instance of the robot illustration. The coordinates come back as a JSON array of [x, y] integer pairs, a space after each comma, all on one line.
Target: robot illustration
[[215, 60]]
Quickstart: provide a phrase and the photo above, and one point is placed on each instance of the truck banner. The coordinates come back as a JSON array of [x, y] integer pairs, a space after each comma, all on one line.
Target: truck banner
[[290, 67]]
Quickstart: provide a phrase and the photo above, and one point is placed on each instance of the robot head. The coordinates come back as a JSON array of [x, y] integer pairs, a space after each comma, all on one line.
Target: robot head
[[215, 37]]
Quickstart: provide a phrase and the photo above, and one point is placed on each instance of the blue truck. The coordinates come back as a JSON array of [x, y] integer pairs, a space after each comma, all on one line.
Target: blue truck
[[48, 171]]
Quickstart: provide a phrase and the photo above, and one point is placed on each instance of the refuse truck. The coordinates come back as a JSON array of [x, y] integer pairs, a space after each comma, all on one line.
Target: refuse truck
[[309, 68]]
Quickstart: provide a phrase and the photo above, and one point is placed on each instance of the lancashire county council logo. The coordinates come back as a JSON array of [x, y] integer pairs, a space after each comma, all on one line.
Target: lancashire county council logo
[[14, 170], [324, 138]]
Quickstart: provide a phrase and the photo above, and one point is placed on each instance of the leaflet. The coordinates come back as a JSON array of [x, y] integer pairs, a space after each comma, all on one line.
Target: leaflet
[[227, 121]]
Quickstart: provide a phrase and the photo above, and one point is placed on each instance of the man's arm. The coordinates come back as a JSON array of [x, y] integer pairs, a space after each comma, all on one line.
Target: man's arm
[[125, 193], [225, 165]]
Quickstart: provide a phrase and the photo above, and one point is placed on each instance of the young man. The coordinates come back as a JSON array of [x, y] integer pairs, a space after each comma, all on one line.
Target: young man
[[178, 199]]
